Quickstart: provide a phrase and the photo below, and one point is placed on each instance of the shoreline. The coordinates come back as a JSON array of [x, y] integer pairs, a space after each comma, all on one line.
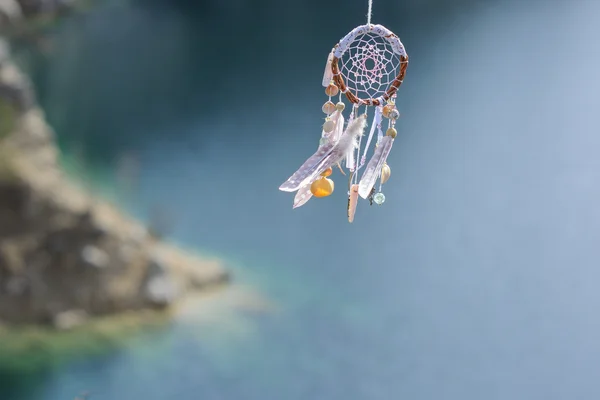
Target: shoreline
[[214, 314]]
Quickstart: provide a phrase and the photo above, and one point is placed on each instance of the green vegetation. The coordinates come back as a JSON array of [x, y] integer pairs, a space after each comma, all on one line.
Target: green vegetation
[[7, 172], [33, 348], [8, 118], [44, 21]]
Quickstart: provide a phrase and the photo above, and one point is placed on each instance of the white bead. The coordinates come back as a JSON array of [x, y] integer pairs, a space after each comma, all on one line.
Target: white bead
[[329, 126]]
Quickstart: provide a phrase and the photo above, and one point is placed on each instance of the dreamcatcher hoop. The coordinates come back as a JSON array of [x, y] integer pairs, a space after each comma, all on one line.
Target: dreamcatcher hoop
[[342, 47]]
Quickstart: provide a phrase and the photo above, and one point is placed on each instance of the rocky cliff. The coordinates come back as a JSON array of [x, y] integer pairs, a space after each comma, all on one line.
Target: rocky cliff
[[65, 255]]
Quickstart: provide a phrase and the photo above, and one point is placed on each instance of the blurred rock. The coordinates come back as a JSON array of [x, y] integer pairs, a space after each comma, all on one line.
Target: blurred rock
[[35, 7], [4, 51], [161, 291], [95, 257], [66, 256], [16, 286], [15, 87], [10, 12], [67, 320]]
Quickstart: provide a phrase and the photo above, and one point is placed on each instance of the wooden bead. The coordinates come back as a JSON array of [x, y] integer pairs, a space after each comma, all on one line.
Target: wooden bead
[[322, 187], [391, 132], [340, 106], [387, 109], [327, 172], [385, 173], [328, 107], [331, 90]]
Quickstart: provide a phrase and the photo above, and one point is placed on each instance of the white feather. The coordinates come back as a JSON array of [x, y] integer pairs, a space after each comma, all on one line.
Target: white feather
[[349, 139], [327, 156]]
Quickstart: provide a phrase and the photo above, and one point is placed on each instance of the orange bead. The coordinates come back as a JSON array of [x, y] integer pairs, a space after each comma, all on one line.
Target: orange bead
[[322, 187], [327, 172]]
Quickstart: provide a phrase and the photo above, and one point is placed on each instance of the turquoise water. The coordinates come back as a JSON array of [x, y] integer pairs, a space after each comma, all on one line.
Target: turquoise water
[[476, 279]]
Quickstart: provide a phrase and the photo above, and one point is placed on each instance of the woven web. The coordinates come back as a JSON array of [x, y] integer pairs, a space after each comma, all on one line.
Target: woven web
[[369, 66]]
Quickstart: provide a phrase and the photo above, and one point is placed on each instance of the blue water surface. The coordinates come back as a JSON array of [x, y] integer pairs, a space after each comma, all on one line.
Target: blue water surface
[[477, 279]]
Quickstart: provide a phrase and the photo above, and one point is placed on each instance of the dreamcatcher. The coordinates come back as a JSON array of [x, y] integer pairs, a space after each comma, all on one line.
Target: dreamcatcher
[[367, 66]]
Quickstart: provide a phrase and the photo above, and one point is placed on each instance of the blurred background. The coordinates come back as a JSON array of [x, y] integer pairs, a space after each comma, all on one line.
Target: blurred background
[[477, 279]]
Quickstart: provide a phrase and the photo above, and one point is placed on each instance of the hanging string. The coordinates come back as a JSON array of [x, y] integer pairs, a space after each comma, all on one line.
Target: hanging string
[[370, 12], [356, 153]]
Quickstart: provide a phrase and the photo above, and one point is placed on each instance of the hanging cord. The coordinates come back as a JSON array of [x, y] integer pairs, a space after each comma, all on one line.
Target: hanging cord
[[356, 153], [370, 12]]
